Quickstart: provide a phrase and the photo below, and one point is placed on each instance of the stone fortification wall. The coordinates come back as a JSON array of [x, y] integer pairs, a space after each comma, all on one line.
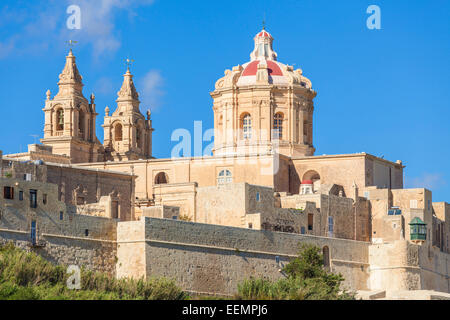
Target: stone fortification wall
[[214, 259]]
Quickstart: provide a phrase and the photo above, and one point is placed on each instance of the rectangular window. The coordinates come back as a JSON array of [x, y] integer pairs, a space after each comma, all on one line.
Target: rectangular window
[[44, 198], [330, 224], [258, 197], [27, 177], [114, 209], [86, 232], [61, 215], [8, 193], [413, 204], [174, 217], [20, 195], [250, 225], [302, 230], [33, 198], [33, 232]]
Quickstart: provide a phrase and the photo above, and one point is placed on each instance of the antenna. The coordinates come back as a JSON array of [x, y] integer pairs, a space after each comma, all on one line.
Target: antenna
[[35, 136]]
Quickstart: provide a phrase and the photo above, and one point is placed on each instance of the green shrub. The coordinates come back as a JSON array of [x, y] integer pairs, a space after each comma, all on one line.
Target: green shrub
[[27, 276], [306, 279]]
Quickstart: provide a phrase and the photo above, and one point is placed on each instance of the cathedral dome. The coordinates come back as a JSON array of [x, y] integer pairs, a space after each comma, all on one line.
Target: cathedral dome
[[263, 67], [274, 70]]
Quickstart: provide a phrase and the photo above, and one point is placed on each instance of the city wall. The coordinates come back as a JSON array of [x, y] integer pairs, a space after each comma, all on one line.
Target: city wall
[[62, 236], [214, 259]]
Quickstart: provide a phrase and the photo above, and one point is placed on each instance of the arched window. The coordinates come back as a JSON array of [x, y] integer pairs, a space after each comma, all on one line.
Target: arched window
[[314, 177], [81, 124], [247, 127], [60, 119], [161, 178], [278, 126], [224, 177], [138, 137], [118, 132]]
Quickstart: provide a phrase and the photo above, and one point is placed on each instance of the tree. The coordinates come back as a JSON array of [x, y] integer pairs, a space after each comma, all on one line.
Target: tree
[[306, 279]]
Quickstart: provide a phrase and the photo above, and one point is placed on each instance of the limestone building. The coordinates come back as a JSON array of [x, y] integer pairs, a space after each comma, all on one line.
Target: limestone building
[[262, 191], [70, 118], [128, 135]]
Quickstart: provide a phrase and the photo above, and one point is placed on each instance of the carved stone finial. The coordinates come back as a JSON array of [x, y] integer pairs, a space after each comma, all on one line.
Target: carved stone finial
[[262, 73], [128, 90], [48, 93], [107, 111], [92, 98], [149, 113]]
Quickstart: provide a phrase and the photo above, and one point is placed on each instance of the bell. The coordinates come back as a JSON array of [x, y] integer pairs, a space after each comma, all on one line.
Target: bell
[[61, 118]]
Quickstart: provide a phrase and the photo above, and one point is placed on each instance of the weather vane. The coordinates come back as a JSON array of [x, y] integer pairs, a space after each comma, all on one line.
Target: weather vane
[[264, 22], [71, 43], [129, 62]]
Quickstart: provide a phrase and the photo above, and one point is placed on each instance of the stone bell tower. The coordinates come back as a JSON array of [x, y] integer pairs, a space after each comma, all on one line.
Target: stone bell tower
[[263, 106], [70, 118], [128, 134]]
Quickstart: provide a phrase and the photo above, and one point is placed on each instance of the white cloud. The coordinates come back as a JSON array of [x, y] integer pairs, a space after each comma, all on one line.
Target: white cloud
[[104, 85], [43, 26], [430, 181], [150, 90], [7, 47]]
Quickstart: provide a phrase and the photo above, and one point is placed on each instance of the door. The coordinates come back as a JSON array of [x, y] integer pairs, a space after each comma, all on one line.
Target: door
[[33, 232]]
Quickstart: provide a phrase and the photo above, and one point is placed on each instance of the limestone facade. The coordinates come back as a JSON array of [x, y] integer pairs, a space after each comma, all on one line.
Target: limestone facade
[[261, 193]]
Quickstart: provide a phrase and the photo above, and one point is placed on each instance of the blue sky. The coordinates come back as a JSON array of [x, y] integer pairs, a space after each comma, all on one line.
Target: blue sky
[[385, 92]]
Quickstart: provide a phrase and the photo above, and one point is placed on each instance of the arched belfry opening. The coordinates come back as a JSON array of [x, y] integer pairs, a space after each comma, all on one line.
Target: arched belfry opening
[[118, 132], [81, 123]]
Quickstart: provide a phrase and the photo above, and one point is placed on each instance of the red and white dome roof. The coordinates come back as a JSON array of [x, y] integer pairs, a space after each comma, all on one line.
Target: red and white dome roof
[[264, 34], [264, 56], [263, 68]]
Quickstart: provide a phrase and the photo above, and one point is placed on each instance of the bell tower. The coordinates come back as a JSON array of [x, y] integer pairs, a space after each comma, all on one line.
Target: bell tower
[[70, 118], [127, 133]]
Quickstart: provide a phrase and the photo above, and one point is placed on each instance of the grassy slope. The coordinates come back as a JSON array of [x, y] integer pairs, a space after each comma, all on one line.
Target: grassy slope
[[25, 275]]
